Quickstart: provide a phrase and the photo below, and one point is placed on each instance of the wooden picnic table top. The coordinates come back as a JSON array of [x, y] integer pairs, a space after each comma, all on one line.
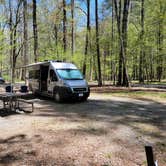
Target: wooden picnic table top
[[9, 95]]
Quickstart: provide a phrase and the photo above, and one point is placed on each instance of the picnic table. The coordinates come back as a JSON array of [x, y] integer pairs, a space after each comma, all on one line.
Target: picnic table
[[11, 101]]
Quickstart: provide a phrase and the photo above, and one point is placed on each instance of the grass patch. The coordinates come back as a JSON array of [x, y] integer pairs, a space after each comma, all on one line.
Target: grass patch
[[141, 94], [162, 82]]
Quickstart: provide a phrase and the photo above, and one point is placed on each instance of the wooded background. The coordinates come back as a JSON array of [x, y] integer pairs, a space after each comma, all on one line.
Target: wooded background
[[109, 40]]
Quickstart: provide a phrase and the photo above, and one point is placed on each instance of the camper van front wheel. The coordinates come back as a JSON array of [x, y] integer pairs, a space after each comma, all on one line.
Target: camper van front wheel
[[57, 97]]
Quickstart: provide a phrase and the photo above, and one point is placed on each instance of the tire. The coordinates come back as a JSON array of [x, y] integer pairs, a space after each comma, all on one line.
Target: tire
[[58, 97]]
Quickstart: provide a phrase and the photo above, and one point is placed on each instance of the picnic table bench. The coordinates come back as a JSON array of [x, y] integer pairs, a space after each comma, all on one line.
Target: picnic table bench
[[25, 101]]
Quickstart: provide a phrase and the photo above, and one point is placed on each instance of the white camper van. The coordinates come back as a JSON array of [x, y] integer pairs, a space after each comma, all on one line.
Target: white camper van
[[60, 80]]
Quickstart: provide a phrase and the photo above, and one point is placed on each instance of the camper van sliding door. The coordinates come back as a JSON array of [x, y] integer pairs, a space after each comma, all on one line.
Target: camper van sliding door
[[34, 76], [43, 77]]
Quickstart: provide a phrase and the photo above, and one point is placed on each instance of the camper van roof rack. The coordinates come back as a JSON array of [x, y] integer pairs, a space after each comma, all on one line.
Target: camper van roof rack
[[53, 61], [57, 61]]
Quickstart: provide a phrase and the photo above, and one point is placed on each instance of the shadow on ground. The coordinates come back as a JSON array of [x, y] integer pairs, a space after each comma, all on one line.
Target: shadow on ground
[[111, 111], [5, 112], [146, 117]]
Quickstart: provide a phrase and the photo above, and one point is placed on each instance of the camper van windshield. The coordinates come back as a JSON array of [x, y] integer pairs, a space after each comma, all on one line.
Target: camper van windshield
[[70, 74]]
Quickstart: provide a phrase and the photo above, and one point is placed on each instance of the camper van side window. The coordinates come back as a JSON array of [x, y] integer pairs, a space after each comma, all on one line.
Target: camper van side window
[[31, 74], [34, 74], [37, 74], [53, 76]]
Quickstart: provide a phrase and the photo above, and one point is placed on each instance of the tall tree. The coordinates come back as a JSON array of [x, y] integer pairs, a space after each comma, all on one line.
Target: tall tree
[[25, 14], [118, 20], [87, 40], [122, 24], [160, 39], [64, 27], [142, 52], [97, 44], [112, 45], [35, 31], [14, 20], [11, 39], [126, 7], [72, 27]]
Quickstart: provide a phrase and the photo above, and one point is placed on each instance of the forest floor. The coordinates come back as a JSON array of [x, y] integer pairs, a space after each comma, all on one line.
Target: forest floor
[[109, 129]]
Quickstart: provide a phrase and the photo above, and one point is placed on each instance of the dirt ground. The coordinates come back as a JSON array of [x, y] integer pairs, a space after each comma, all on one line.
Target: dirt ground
[[104, 131]]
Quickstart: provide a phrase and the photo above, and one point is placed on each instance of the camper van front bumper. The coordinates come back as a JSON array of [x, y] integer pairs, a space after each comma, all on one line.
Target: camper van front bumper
[[74, 93]]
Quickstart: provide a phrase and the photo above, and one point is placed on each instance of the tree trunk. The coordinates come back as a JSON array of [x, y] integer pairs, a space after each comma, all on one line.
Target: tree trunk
[[113, 69], [160, 43], [25, 38], [13, 37], [64, 27], [35, 32], [87, 37], [159, 49], [151, 67], [118, 20], [97, 45], [124, 41], [11, 40], [72, 28], [14, 54], [122, 23], [141, 60]]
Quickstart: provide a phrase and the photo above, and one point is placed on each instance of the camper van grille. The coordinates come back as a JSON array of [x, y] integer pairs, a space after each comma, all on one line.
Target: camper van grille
[[79, 89]]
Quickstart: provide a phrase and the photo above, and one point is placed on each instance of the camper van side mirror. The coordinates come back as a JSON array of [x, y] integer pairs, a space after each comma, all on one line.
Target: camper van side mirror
[[54, 78]]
